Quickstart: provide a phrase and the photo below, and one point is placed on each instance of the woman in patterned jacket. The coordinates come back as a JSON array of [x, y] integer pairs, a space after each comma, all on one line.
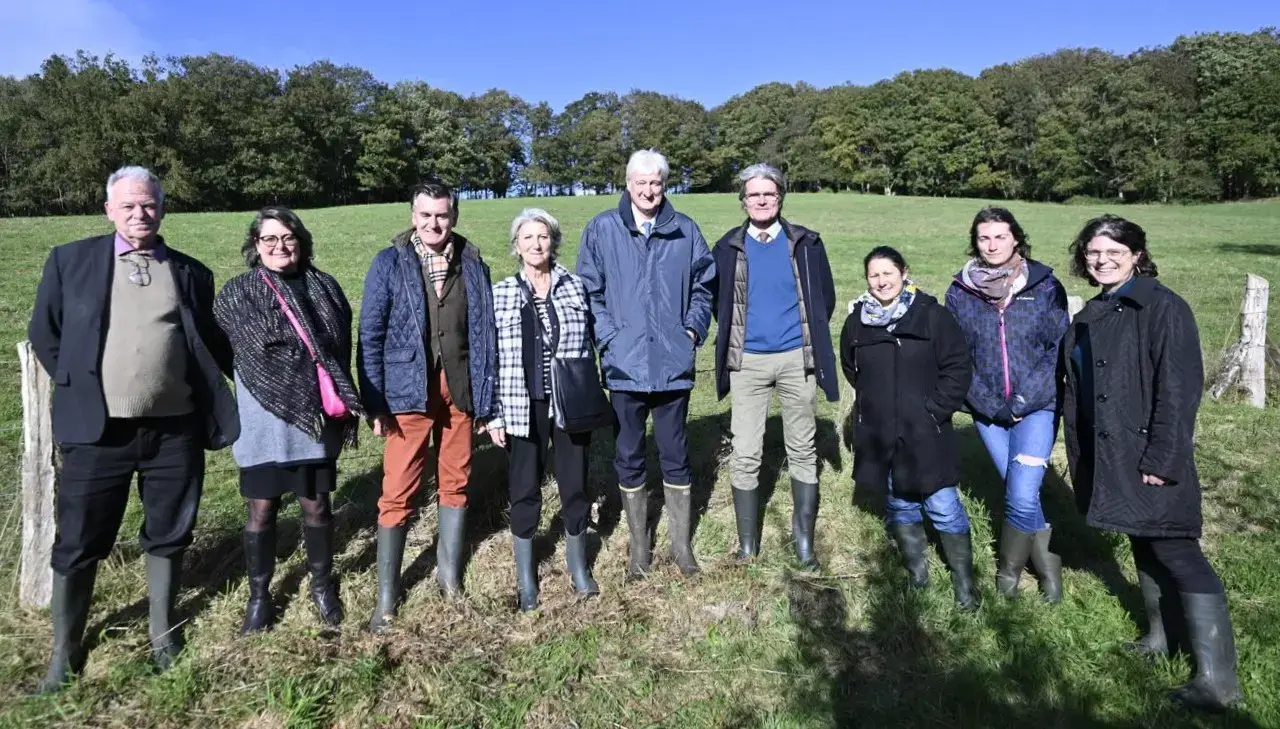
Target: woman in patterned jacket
[[541, 314]]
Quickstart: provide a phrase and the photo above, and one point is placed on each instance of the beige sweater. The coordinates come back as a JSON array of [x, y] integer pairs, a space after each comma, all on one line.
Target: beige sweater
[[144, 361]]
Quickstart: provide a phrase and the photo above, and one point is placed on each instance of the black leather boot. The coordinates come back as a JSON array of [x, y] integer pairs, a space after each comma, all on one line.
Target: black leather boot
[[324, 586], [259, 565]]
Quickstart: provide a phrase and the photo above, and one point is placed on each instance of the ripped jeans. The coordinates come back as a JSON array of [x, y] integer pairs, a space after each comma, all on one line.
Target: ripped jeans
[[1021, 455]]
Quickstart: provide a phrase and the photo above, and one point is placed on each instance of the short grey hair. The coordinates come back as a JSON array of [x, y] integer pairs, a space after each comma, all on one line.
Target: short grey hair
[[133, 172], [647, 161], [536, 215], [762, 171]]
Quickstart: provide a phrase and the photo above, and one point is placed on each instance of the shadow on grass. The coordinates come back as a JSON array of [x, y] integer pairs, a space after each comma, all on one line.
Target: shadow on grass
[[1253, 249], [899, 668]]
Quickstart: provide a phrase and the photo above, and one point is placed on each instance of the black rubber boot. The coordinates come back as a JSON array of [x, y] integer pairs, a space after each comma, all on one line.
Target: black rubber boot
[[1155, 642], [804, 517], [1048, 566], [958, 550], [72, 595], [259, 565], [390, 556], [1015, 548], [912, 541], [526, 574], [324, 586], [746, 509], [575, 557], [453, 527], [164, 577], [635, 502], [679, 504], [1215, 686]]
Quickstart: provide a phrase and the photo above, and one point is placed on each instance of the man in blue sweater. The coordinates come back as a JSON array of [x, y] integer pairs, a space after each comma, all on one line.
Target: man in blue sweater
[[774, 300]]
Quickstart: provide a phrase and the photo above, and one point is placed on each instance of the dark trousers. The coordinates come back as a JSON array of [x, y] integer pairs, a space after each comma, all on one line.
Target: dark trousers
[[93, 489], [527, 462], [670, 411], [1179, 564]]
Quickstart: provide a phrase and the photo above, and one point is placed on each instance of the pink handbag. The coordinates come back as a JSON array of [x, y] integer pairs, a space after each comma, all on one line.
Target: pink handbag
[[330, 400]]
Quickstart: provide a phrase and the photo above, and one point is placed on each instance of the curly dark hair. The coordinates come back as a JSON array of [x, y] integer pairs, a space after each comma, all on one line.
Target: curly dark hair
[[1120, 230], [998, 215], [288, 219]]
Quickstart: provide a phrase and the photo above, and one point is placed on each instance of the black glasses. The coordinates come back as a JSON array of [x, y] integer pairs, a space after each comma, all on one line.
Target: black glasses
[[140, 275]]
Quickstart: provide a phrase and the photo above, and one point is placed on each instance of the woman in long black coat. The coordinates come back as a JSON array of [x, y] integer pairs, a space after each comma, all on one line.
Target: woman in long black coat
[[1133, 381], [910, 368]]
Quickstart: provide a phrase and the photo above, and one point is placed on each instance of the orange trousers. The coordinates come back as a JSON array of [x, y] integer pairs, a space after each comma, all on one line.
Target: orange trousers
[[405, 458]]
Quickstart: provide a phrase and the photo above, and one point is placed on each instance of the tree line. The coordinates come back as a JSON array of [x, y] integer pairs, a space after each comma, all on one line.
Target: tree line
[[1196, 120]]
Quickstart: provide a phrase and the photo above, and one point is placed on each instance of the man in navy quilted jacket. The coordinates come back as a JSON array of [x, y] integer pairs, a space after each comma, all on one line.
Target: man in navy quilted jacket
[[648, 273], [426, 365]]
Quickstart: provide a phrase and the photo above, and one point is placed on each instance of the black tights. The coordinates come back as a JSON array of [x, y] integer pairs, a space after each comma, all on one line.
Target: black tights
[[262, 512], [1176, 563]]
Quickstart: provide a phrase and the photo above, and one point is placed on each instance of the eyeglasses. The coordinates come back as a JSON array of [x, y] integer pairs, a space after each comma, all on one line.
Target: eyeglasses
[[140, 275], [761, 196], [1111, 254], [287, 241]]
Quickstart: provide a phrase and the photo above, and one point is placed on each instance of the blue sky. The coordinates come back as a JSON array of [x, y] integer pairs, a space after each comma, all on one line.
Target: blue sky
[[707, 50]]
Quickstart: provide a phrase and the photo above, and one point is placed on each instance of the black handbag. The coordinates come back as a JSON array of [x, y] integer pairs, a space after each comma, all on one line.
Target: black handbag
[[581, 404]]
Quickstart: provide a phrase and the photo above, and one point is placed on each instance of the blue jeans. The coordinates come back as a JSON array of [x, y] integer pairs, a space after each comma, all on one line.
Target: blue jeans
[[1021, 455], [943, 506]]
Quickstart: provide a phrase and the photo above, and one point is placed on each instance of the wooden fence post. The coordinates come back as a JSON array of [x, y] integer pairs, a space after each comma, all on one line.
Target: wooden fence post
[[1246, 359], [39, 478], [1253, 334]]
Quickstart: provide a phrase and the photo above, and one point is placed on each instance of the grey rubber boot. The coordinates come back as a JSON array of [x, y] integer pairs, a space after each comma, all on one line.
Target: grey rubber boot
[[390, 556], [324, 586], [526, 574], [804, 518], [1155, 642], [1215, 686], [453, 526], [259, 565], [958, 551], [679, 503], [635, 503], [164, 577], [746, 510], [72, 595], [575, 557], [1048, 566], [1015, 548], [913, 541]]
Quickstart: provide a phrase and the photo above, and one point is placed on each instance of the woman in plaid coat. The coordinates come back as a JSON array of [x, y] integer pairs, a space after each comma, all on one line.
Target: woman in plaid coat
[[541, 313]]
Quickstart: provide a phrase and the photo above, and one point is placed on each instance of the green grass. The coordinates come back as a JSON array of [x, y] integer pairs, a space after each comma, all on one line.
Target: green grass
[[758, 647]]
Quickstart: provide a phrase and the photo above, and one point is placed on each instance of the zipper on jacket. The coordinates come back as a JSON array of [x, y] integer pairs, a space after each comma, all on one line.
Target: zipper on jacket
[[1004, 357]]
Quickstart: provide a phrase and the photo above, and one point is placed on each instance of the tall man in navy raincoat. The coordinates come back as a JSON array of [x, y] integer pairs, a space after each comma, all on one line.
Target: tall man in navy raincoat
[[648, 273]]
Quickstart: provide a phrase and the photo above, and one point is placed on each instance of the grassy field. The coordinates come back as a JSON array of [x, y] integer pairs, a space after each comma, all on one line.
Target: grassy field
[[757, 647]]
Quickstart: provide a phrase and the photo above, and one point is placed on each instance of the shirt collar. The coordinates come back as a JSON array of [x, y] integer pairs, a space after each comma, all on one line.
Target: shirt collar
[[772, 230], [157, 250]]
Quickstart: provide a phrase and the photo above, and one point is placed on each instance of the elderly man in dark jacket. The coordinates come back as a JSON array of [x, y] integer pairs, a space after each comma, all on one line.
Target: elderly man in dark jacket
[[124, 324], [647, 270], [774, 299], [1134, 379], [426, 360]]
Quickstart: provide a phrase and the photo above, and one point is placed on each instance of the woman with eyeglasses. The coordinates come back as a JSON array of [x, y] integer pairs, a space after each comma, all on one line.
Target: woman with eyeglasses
[[1134, 378], [1013, 312], [289, 325]]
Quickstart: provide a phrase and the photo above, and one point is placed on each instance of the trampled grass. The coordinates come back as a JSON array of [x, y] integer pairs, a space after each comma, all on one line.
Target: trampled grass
[[762, 646]]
